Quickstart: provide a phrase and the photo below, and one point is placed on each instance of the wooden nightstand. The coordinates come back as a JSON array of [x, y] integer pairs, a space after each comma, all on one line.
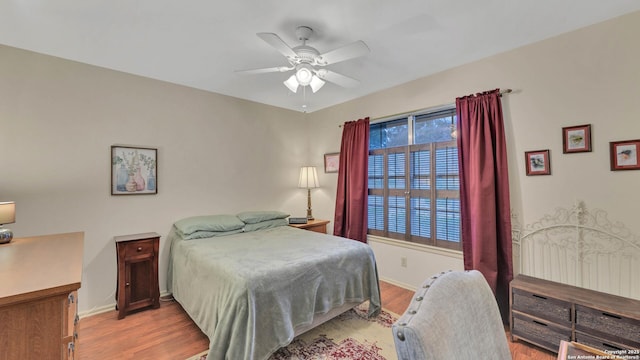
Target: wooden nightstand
[[137, 283], [313, 225]]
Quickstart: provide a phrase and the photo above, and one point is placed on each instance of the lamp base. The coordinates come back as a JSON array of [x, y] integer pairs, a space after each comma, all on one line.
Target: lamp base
[[309, 214], [6, 236]]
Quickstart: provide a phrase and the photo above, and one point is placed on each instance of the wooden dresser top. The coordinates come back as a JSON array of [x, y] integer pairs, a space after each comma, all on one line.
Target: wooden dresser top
[[40, 266]]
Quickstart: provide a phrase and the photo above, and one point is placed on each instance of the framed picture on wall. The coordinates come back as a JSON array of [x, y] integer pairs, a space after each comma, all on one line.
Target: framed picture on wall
[[576, 139], [624, 155], [134, 170], [331, 162], [537, 162]]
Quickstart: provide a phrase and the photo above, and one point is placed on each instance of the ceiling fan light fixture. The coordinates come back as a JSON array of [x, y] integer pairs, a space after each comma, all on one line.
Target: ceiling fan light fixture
[[292, 83], [316, 83], [304, 74]]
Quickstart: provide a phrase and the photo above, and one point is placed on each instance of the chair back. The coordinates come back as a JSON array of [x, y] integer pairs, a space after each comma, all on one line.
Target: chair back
[[453, 315]]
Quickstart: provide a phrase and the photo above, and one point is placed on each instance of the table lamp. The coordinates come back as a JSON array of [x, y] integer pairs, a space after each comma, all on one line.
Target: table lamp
[[7, 216], [308, 180]]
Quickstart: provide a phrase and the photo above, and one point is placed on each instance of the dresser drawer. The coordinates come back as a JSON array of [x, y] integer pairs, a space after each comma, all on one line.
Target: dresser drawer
[[139, 247], [608, 326], [554, 310], [542, 333]]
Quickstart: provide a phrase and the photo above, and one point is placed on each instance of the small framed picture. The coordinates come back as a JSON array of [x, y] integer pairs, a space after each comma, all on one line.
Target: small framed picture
[[576, 139], [133, 170], [624, 155], [537, 162], [331, 162]]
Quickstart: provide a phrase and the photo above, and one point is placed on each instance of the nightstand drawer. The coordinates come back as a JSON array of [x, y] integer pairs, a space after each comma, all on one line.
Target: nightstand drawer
[[542, 306], [608, 326], [139, 247], [318, 228], [542, 333], [314, 225]]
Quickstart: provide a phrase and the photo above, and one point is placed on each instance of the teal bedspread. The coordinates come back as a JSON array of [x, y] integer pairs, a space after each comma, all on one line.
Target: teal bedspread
[[248, 291]]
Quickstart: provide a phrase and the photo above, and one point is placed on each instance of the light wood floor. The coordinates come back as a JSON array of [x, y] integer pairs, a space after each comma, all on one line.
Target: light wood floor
[[168, 333]]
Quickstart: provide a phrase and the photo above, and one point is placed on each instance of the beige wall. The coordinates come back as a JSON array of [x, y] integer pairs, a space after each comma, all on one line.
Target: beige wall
[[590, 76], [216, 154], [58, 120]]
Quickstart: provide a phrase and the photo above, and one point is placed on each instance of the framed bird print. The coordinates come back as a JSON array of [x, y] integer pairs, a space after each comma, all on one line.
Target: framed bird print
[[624, 155], [576, 139], [537, 162]]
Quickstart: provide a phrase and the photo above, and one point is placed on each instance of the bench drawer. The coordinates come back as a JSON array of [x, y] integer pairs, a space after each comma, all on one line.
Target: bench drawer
[[602, 344], [542, 333], [608, 326], [541, 306]]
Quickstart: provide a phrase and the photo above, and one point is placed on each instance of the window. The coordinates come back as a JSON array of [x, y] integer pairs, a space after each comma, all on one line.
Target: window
[[414, 187]]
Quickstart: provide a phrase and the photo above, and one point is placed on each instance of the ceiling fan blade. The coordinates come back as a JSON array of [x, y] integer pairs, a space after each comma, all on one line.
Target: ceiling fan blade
[[353, 50], [265, 70], [275, 41], [337, 79]]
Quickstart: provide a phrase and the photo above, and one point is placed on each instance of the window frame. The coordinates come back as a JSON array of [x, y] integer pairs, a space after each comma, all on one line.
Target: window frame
[[409, 193]]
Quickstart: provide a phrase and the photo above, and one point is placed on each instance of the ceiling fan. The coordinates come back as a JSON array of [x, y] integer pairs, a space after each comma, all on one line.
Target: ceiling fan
[[309, 63]]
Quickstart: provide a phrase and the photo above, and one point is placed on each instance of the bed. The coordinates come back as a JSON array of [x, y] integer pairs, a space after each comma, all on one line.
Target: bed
[[252, 283]]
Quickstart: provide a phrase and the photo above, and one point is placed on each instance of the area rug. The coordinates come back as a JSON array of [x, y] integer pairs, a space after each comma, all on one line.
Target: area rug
[[348, 336]]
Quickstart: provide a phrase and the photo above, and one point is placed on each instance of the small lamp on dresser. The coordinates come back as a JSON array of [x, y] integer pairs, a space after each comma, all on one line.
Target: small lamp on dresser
[[7, 216], [308, 180]]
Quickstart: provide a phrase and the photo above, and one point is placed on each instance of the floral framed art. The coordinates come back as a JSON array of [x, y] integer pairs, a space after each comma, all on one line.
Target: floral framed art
[[537, 162], [331, 162], [134, 170], [576, 139], [624, 155]]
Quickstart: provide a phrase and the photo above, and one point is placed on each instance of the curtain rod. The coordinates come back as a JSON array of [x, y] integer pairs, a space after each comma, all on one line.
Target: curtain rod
[[502, 92]]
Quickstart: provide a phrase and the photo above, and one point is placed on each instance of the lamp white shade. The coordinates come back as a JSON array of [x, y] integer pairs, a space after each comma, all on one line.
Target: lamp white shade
[[308, 178], [316, 83], [292, 83], [7, 212]]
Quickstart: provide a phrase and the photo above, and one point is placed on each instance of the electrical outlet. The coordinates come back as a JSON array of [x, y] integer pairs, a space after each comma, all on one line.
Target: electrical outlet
[[403, 261]]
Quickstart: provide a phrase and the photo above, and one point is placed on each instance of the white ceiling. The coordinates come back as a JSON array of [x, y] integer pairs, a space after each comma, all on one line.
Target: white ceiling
[[199, 43]]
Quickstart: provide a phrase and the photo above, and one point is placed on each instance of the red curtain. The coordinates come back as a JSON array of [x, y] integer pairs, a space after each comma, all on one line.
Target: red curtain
[[484, 192], [351, 199]]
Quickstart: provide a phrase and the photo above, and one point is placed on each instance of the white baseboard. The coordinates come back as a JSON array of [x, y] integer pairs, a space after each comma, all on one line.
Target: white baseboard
[[97, 310], [106, 308], [397, 283]]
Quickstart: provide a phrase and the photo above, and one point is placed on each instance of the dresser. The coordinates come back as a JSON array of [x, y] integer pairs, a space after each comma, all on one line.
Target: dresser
[[545, 312], [313, 225], [137, 281], [39, 279]]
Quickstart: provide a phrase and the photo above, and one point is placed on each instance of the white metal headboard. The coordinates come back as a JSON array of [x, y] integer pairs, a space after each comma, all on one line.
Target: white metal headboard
[[582, 248]]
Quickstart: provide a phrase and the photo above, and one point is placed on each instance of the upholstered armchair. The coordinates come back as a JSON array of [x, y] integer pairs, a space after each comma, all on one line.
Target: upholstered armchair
[[453, 315]]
